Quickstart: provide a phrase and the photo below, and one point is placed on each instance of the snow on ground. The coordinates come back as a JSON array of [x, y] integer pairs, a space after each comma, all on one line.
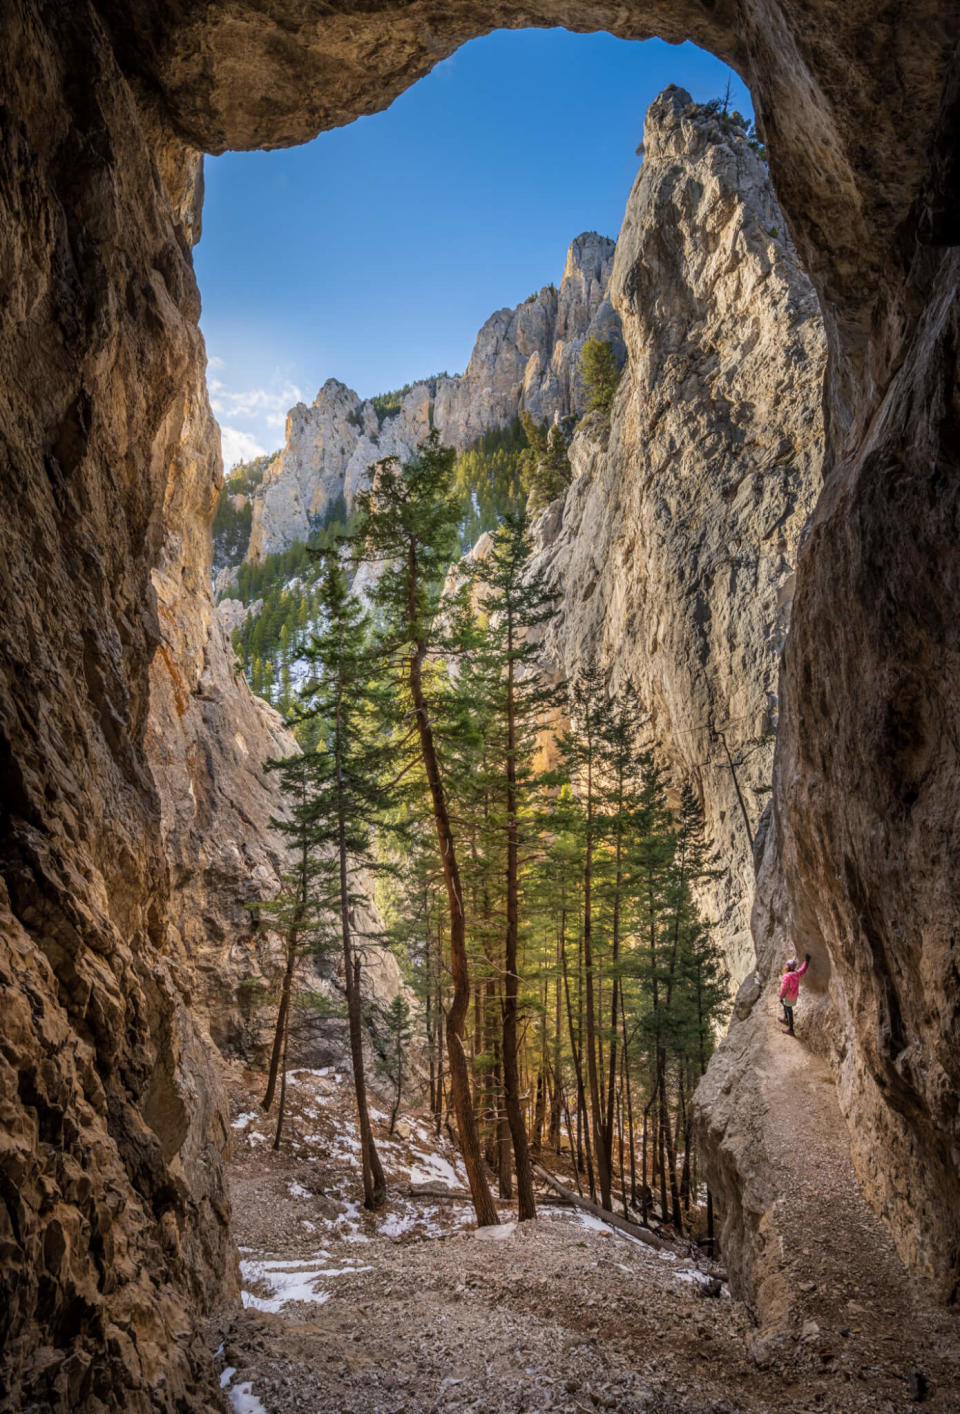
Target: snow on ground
[[403, 1312], [434, 1168], [310, 1244]]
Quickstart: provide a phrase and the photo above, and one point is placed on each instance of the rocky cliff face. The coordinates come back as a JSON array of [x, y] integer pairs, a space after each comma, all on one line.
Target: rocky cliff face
[[676, 545], [524, 359], [112, 1218]]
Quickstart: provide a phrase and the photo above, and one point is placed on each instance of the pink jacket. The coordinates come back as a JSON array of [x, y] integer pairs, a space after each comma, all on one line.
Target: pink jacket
[[790, 986]]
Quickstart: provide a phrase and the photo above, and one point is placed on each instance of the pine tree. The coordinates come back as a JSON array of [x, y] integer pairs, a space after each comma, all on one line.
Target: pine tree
[[346, 802], [518, 604], [398, 1028], [546, 470], [409, 526], [600, 374]]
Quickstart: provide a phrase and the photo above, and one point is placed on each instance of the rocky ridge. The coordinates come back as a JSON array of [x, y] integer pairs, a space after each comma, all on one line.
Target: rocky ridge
[[524, 359], [675, 547]]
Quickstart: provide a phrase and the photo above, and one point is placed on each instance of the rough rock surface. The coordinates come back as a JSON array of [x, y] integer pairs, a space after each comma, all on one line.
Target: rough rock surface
[[399, 1311], [524, 359], [98, 327], [676, 544], [113, 1215]]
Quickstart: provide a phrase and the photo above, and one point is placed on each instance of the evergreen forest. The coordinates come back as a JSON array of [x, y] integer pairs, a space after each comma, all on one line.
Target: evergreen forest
[[536, 874], [509, 469]]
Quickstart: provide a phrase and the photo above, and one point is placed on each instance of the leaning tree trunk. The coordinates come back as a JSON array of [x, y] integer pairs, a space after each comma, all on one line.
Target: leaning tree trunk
[[459, 1071], [286, 991]]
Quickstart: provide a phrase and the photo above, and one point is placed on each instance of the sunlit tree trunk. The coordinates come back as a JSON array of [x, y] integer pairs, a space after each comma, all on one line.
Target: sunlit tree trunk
[[459, 1071]]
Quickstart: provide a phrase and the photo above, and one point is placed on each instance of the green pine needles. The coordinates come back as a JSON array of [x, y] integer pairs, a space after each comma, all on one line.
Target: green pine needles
[[533, 871]]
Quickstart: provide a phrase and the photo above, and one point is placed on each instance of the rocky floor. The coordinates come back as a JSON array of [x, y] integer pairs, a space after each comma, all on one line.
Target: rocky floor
[[413, 1310]]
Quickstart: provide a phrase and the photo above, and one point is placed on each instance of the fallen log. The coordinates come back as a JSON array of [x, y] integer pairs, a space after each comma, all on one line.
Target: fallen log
[[642, 1234], [452, 1195], [461, 1195]]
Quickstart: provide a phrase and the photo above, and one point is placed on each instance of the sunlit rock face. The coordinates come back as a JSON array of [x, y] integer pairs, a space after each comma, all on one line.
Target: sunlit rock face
[[676, 546], [524, 360], [113, 1221]]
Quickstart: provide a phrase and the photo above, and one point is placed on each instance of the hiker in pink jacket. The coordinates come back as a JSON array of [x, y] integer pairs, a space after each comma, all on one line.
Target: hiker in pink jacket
[[790, 990]]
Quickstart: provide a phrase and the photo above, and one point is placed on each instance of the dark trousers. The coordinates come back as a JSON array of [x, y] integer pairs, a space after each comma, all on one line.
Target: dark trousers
[[788, 1016]]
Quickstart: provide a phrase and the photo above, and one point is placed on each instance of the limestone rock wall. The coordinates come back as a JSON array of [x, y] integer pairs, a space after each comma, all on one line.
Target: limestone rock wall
[[676, 545], [113, 1218], [524, 359]]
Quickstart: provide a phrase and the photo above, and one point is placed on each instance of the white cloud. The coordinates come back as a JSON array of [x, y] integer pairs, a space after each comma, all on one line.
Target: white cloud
[[215, 361], [252, 404], [238, 446]]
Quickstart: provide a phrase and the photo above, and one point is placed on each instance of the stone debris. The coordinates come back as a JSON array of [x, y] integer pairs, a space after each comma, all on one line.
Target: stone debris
[[428, 1313]]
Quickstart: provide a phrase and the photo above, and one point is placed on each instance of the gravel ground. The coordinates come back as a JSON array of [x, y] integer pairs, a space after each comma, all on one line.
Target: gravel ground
[[412, 1310]]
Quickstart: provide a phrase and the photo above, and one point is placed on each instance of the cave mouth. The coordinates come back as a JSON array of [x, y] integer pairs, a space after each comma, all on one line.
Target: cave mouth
[[110, 104]]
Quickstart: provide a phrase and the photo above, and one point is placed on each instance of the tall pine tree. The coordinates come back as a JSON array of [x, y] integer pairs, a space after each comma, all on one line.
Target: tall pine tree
[[408, 527]]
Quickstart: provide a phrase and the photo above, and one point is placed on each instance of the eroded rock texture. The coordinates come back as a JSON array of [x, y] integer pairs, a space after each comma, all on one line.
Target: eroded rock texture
[[676, 545], [525, 359], [112, 1219]]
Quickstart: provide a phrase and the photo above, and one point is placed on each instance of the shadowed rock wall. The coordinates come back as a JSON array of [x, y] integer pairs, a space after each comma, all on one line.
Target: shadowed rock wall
[[112, 1218]]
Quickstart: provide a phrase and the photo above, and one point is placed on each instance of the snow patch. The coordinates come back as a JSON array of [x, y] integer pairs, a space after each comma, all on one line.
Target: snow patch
[[287, 1286], [432, 1168], [243, 1400]]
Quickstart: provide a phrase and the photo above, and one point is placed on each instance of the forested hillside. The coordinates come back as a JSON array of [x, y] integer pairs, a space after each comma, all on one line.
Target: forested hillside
[[502, 471], [519, 834]]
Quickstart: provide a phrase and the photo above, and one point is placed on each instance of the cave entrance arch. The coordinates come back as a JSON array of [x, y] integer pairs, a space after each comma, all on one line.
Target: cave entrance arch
[[874, 224], [107, 106]]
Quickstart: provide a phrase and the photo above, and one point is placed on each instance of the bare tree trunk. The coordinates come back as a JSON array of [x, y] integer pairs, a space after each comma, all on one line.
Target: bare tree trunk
[[629, 1090], [281, 1108], [646, 1176], [615, 1000], [666, 1132], [279, 1034], [603, 1167], [684, 1127], [527, 1207], [374, 1180], [438, 1117], [555, 1094], [459, 1072], [504, 1156], [574, 1156], [623, 1181], [583, 1131]]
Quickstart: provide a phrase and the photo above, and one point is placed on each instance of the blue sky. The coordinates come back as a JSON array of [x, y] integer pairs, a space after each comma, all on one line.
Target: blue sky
[[374, 253]]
